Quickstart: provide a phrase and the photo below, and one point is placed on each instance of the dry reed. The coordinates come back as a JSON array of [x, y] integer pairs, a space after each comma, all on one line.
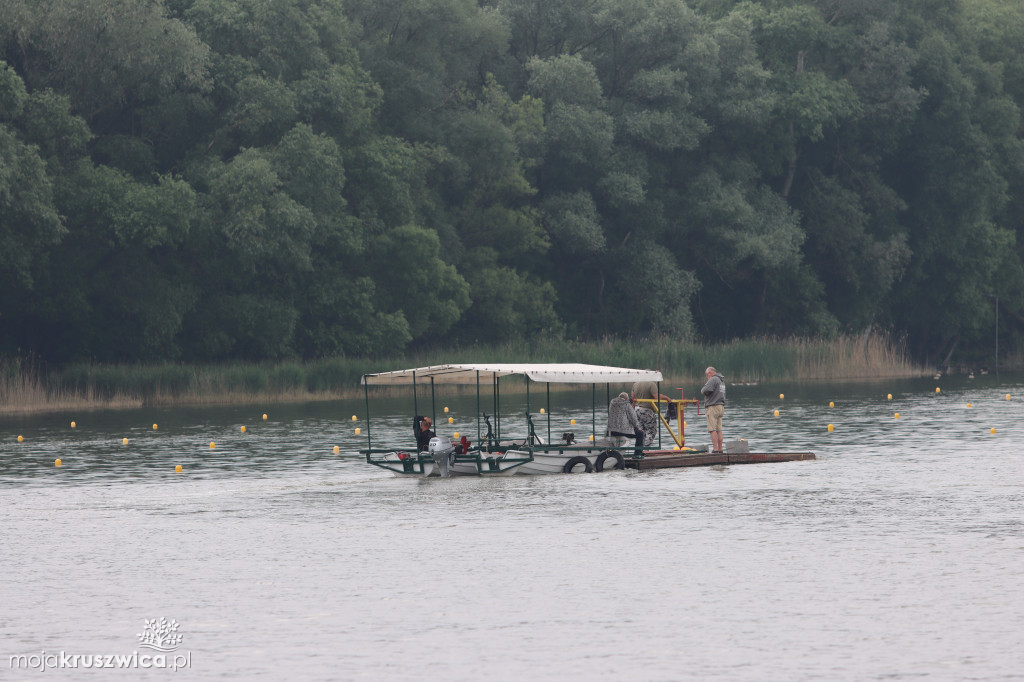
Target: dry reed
[[23, 389], [853, 357]]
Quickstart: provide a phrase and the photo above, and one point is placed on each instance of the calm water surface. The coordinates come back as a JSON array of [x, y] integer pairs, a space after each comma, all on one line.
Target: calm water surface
[[898, 554]]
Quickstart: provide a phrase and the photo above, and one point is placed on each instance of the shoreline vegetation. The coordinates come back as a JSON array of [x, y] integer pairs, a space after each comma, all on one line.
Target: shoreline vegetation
[[234, 182], [25, 387]]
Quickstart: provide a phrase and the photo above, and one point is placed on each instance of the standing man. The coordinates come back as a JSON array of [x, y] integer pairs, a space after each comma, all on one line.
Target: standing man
[[714, 405]]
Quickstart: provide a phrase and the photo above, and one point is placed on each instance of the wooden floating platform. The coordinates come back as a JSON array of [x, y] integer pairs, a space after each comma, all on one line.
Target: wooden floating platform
[[673, 458]]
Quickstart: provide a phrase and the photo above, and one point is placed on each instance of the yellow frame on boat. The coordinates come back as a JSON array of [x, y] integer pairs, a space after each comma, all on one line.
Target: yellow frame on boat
[[679, 438]]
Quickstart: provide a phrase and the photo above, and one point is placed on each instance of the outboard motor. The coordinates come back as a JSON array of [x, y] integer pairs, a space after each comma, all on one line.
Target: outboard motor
[[444, 455]]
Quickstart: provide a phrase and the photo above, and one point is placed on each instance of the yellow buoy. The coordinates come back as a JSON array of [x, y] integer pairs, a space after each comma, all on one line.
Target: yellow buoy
[[242, 429], [456, 435], [177, 469], [21, 438], [58, 463], [831, 404], [73, 424], [358, 430], [336, 449], [573, 421], [831, 428], [1007, 396], [992, 430], [542, 410], [355, 418], [124, 441], [154, 427], [212, 445], [446, 409], [264, 417], [591, 437], [938, 390], [782, 396], [684, 424], [776, 413], [888, 396], [451, 420], [896, 416], [970, 405]]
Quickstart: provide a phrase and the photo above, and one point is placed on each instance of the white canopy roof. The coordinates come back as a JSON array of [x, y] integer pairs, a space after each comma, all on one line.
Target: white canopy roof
[[569, 373]]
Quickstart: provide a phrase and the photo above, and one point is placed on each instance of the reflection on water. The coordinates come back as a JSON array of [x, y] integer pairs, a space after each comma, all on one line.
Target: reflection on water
[[895, 555]]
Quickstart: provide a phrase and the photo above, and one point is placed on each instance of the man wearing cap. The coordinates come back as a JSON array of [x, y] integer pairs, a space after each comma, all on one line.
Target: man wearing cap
[[714, 406]]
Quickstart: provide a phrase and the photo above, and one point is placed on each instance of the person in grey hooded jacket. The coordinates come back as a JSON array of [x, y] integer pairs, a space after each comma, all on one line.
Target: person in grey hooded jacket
[[622, 421], [714, 406]]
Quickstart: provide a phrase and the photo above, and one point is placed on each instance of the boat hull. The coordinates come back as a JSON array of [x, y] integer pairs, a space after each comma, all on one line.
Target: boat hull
[[472, 464], [518, 462], [550, 463]]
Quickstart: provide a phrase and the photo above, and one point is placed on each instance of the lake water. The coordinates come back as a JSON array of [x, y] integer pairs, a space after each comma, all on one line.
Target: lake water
[[897, 555]]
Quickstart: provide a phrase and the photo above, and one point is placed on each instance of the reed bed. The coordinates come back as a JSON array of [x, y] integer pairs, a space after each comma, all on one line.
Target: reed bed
[[742, 360], [26, 387]]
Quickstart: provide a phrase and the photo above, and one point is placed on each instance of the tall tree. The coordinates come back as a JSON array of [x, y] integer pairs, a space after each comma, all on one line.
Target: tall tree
[[29, 220]]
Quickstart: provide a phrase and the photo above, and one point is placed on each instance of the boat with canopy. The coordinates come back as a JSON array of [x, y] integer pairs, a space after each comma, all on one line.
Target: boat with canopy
[[530, 454]]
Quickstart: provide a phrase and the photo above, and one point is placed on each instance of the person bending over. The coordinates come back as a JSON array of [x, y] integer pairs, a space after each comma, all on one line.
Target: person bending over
[[645, 413], [622, 421]]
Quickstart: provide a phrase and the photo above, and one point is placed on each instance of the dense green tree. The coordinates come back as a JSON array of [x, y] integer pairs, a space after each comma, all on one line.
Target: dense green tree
[[29, 221], [953, 180], [412, 278], [113, 59], [115, 290], [215, 179], [422, 52]]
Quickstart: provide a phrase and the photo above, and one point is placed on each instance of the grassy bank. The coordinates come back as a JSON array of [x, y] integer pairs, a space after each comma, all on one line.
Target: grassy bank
[[25, 387]]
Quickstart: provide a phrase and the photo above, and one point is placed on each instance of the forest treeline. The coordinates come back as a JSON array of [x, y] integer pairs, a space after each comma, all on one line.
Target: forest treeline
[[203, 180]]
